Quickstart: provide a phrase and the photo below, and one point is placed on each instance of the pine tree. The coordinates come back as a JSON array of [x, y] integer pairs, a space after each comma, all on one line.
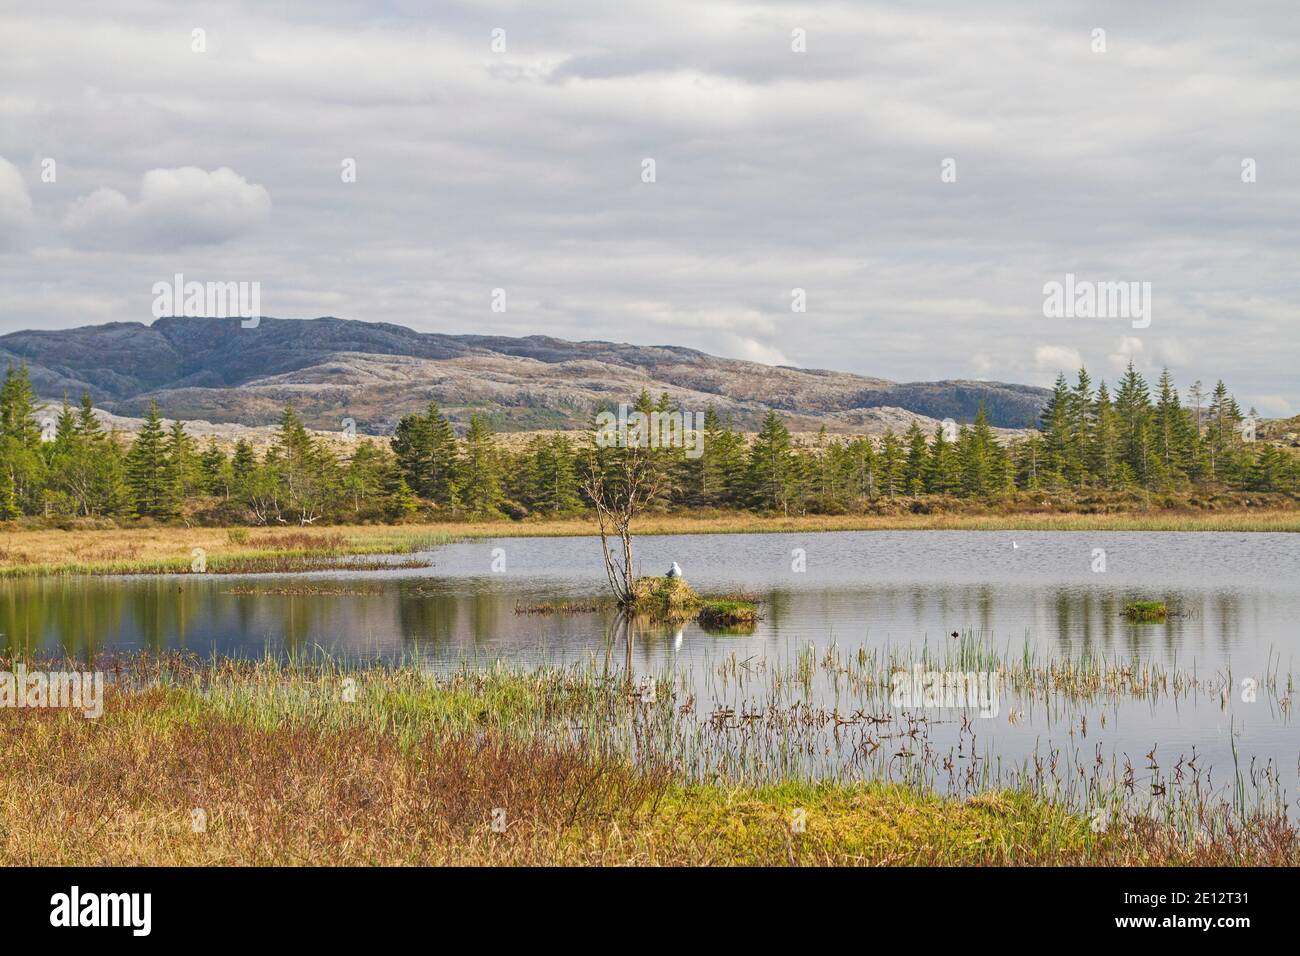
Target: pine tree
[[891, 464], [1103, 454], [914, 466], [862, 465], [704, 478], [214, 471], [147, 475], [183, 469], [425, 446], [1029, 462], [20, 439], [88, 426], [729, 468], [243, 470], [18, 408], [1223, 433], [1136, 441], [480, 489], [982, 471], [102, 462], [773, 471], [557, 477], [1269, 471], [1173, 431], [400, 500], [1082, 426], [941, 473], [1058, 438], [8, 498], [309, 474], [367, 477]]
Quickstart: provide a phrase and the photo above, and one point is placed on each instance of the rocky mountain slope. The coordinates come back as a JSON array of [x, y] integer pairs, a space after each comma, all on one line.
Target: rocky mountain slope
[[373, 373]]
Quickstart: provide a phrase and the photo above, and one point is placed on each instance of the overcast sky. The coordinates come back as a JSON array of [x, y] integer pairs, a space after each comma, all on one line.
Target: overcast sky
[[774, 170]]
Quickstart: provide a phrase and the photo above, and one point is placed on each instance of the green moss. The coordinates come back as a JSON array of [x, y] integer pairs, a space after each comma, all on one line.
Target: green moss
[[866, 824]]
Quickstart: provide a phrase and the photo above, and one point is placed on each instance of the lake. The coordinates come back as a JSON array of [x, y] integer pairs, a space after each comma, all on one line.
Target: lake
[[835, 606]]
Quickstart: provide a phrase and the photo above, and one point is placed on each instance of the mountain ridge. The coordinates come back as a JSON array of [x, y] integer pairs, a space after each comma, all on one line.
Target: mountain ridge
[[374, 372]]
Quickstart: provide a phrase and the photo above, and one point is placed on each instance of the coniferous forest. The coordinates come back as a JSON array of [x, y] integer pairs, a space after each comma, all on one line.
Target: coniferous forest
[[1091, 437]]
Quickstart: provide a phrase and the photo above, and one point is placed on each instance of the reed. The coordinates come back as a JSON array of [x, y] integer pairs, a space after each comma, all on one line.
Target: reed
[[319, 761]]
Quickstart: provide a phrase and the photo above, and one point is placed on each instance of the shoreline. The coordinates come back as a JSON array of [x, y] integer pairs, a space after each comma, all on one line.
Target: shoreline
[[26, 552]]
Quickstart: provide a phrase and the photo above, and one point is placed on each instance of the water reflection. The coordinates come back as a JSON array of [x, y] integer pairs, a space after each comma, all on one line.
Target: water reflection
[[450, 621]]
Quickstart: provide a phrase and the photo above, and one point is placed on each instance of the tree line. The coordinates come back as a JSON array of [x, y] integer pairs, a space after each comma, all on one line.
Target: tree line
[[1088, 437]]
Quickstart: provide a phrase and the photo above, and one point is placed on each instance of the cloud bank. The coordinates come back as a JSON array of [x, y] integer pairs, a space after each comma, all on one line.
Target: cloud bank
[[919, 170]]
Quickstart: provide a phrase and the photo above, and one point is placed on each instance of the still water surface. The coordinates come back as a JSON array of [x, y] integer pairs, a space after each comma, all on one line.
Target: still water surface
[[1235, 600]]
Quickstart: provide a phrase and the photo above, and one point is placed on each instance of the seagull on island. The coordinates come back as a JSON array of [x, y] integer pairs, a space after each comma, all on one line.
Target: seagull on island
[[675, 571]]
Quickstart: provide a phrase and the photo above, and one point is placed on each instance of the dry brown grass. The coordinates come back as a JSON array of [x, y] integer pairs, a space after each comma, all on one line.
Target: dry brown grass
[[171, 549], [122, 794], [281, 789]]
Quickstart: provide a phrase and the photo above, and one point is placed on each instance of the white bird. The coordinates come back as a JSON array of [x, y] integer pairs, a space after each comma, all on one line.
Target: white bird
[[674, 571], [1014, 546], [677, 640]]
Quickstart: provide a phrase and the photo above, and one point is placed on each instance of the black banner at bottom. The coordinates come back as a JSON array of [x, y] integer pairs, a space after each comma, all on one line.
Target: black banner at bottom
[[338, 906]]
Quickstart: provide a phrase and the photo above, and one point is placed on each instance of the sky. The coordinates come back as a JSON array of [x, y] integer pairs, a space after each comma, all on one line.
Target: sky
[[920, 170]]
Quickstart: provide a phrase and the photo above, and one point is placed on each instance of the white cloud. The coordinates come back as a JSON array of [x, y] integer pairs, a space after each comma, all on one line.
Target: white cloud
[[1057, 358], [1128, 349], [1272, 406], [754, 351], [15, 203], [177, 207]]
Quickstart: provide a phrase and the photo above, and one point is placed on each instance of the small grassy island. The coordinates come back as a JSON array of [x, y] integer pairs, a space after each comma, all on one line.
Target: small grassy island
[[1146, 611], [672, 600]]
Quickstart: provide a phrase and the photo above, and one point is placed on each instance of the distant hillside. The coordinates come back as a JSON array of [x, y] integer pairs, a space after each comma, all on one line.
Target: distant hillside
[[374, 373]]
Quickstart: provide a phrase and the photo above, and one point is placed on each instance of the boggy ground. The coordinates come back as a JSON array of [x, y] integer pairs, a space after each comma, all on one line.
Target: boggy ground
[[320, 766]]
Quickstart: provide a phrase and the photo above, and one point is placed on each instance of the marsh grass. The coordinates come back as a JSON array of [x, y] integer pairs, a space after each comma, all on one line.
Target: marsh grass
[[320, 762], [664, 599], [732, 616], [170, 551]]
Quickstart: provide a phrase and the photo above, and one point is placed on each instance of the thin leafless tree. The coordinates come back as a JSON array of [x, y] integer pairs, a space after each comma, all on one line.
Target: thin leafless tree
[[620, 483]]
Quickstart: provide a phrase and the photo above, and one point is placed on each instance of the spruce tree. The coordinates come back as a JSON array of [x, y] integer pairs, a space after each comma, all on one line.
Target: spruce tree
[[1136, 441], [914, 466], [480, 488], [148, 477], [773, 471], [941, 477], [20, 439], [891, 464], [1058, 437], [1103, 454]]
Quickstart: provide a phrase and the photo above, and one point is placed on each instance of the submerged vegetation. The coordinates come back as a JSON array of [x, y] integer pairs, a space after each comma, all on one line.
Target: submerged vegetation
[[316, 763]]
